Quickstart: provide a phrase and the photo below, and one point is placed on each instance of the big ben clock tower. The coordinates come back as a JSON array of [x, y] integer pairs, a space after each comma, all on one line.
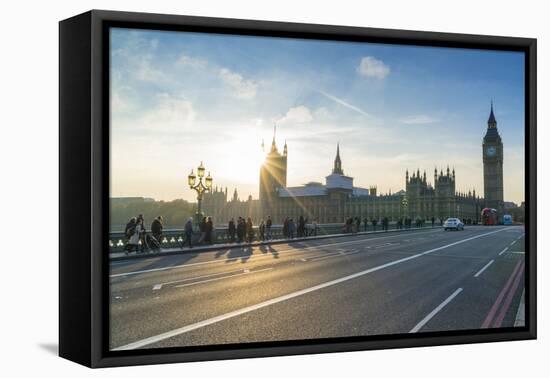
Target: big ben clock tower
[[492, 166]]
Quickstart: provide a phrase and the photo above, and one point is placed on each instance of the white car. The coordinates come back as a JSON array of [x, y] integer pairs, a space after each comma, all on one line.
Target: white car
[[453, 224]]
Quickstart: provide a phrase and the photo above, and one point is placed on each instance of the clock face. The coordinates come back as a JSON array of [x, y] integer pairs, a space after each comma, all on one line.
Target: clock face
[[491, 151]]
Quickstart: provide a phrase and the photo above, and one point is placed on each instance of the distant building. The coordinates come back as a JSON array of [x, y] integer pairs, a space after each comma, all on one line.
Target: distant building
[[338, 199], [129, 200]]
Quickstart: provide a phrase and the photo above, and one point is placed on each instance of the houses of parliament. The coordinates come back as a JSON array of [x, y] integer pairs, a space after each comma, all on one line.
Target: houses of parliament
[[338, 199]]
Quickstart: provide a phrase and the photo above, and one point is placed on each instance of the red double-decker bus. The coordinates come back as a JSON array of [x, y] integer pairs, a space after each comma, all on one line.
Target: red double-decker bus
[[489, 217]]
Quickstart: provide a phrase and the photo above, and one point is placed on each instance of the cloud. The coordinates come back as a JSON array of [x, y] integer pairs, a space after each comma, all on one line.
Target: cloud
[[186, 60], [146, 72], [245, 89], [169, 116], [298, 114], [372, 67], [343, 103], [419, 119]]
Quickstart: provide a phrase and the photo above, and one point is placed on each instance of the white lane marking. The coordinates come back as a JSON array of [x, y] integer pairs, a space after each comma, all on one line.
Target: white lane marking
[[245, 272], [232, 314], [255, 257], [519, 252], [514, 242], [423, 322], [159, 286], [503, 251], [483, 269]]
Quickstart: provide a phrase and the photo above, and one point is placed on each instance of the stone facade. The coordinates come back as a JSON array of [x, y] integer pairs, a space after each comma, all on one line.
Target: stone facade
[[338, 199]]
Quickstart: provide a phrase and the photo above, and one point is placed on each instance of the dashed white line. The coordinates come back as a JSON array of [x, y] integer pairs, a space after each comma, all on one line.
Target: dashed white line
[[434, 312], [514, 242], [160, 285], [246, 271], [503, 251], [483, 269], [232, 314]]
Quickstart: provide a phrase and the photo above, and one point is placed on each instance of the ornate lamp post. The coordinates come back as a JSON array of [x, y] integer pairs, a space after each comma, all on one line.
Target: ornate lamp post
[[199, 187]]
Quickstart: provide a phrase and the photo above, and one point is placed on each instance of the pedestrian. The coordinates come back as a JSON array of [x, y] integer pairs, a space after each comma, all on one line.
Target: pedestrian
[[386, 223], [374, 222], [366, 224], [156, 228], [189, 232], [249, 230], [291, 228], [268, 225], [129, 231], [137, 238], [240, 229], [208, 230], [285, 228], [231, 230], [261, 230], [314, 227], [357, 224], [301, 226], [202, 229], [142, 233]]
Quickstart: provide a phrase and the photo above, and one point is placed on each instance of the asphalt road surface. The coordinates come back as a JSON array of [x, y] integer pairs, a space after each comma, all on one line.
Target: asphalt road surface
[[419, 281]]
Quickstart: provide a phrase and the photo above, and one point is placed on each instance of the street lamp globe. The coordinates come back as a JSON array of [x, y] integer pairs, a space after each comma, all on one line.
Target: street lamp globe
[[208, 181], [200, 170], [191, 179]]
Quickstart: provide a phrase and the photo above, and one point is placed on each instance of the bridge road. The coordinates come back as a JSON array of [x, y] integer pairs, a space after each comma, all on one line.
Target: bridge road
[[428, 280]]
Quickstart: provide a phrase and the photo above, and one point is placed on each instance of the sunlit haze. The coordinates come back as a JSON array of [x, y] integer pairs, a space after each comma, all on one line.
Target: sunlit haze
[[181, 98]]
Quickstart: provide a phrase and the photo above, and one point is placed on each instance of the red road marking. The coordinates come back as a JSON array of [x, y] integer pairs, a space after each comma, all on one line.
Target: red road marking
[[494, 309], [509, 297]]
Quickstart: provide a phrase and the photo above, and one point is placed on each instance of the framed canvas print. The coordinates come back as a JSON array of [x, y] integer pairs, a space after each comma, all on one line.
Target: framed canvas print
[[234, 188]]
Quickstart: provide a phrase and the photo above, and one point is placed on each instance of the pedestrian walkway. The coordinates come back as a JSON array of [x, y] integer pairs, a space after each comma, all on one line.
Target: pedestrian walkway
[[115, 256]]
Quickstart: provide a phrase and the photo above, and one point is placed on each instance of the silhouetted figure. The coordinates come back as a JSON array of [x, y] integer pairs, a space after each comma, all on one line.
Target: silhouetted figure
[[208, 231], [189, 232], [261, 230], [249, 230], [268, 225], [231, 229], [374, 223]]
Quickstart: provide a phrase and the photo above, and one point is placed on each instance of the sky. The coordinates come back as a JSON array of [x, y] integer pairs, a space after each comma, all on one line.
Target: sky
[[179, 98]]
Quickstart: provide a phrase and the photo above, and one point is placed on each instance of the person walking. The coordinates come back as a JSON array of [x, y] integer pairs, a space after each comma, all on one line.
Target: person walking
[[188, 228], [249, 230], [268, 225], [129, 231], [366, 222], [156, 228], [291, 228], [240, 230], [314, 227], [261, 230], [143, 233], [208, 230], [202, 229], [301, 226], [285, 228], [138, 236], [433, 222], [231, 230], [357, 224], [374, 222]]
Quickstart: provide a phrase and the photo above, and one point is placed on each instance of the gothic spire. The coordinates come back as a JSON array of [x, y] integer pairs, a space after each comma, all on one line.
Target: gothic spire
[[285, 149], [337, 162], [492, 122], [273, 144]]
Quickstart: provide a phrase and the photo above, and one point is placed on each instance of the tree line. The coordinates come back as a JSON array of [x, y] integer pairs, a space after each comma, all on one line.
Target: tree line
[[174, 213]]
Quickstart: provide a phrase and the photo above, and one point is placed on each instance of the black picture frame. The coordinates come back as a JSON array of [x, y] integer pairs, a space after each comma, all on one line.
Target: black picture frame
[[84, 186]]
